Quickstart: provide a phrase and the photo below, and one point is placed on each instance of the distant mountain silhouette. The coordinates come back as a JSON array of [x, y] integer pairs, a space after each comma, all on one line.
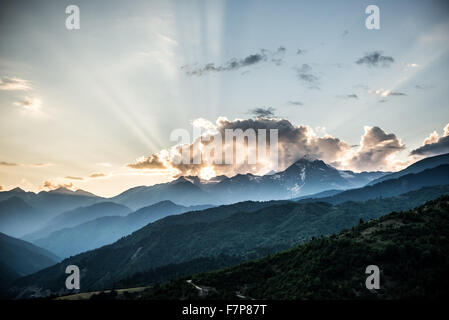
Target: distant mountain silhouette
[[180, 191], [393, 187], [78, 216], [44, 206], [19, 258], [427, 163], [107, 229], [17, 217]]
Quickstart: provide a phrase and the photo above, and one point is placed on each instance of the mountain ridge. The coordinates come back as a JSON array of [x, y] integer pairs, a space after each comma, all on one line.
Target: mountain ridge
[[176, 239]]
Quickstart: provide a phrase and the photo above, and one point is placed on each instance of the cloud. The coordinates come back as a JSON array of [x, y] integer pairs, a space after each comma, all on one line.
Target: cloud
[[376, 150], [294, 142], [300, 51], [434, 144], [97, 175], [349, 96], [295, 103], [277, 57], [52, 186], [411, 65], [386, 92], [29, 104], [375, 59], [424, 87], [152, 162], [407, 67], [35, 165], [305, 75], [263, 112], [234, 64], [345, 33], [74, 178], [7, 83], [39, 165], [8, 164]]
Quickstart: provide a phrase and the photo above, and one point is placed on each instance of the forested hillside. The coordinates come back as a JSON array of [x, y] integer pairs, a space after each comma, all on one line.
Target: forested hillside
[[411, 249]]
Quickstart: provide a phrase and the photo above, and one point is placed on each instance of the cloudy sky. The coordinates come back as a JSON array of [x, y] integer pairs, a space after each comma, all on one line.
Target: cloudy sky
[[94, 108]]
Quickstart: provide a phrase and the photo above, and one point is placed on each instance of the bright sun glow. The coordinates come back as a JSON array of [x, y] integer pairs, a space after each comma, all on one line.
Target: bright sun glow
[[207, 173]]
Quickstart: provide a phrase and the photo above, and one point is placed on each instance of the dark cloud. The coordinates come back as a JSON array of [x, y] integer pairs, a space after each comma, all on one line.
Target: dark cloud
[[7, 83], [294, 142], [295, 103], [300, 51], [349, 96], [424, 87], [397, 94], [235, 64], [97, 175], [345, 33], [278, 56], [8, 164], [375, 149], [41, 165], [52, 186], [439, 147], [262, 112], [74, 178], [434, 144], [375, 59], [305, 75]]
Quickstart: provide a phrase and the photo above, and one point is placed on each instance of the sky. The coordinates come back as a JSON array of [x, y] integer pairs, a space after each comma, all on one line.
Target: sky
[[94, 108]]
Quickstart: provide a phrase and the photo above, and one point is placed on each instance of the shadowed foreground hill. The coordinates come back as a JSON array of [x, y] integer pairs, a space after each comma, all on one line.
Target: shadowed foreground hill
[[411, 249]]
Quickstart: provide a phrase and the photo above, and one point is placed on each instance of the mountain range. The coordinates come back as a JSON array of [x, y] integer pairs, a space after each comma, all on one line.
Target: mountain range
[[426, 163], [78, 216], [389, 188], [246, 230], [304, 177], [32, 216], [25, 212], [173, 227], [106, 229], [92, 234]]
